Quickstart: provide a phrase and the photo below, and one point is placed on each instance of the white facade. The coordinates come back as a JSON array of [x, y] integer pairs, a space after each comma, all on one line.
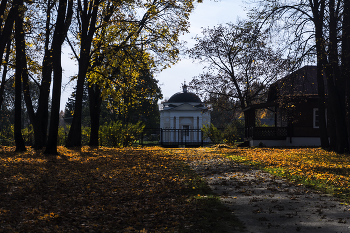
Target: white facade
[[182, 121]]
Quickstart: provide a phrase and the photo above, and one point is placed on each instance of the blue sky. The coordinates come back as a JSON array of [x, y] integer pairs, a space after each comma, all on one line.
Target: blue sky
[[207, 14]]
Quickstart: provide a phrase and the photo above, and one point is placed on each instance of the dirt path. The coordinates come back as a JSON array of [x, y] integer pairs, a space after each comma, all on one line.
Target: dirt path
[[268, 204]]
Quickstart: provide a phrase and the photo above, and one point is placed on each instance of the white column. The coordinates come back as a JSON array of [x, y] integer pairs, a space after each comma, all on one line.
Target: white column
[[195, 139]]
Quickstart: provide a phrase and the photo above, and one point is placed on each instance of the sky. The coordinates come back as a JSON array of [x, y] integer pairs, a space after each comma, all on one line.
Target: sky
[[207, 14]]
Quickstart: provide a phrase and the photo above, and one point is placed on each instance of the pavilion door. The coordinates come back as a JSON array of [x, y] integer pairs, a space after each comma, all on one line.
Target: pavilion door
[[185, 133]]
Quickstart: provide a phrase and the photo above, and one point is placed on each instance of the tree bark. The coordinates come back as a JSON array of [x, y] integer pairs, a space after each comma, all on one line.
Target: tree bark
[[5, 35], [7, 29], [19, 70], [318, 16], [4, 73], [88, 28], [62, 23], [335, 83], [41, 119], [95, 101], [345, 71]]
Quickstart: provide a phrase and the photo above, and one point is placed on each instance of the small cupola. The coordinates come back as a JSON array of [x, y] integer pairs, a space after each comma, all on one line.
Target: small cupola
[[184, 88]]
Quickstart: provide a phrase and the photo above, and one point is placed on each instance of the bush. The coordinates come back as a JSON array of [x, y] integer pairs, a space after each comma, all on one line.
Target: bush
[[28, 135], [212, 133], [85, 135], [7, 136], [62, 135], [234, 132], [115, 134]]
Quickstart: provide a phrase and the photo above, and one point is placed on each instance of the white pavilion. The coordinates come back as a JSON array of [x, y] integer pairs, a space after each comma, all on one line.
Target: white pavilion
[[181, 119]]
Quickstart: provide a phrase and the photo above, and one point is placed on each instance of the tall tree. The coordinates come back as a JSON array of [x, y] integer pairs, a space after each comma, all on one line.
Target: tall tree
[[87, 25], [40, 122], [345, 57], [6, 25], [4, 73], [239, 63], [314, 25], [126, 84], [335, 82], [8, 15], [64, 16], [156, 30], [19, 36], [42, 38]]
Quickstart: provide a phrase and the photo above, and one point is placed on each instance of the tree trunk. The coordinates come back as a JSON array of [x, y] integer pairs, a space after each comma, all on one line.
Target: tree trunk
[[5, 40], [88, 27], [62, 24], [4, 73], [74, 135], [345, 71], [41, 120], [19, 69], [336, 91], [7, 29], [51, 147], [318, 14], [95, 101]]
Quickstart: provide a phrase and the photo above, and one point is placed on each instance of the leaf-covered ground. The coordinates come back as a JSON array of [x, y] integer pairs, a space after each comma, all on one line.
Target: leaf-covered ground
[[108, 190], [317, 168], [141, 190]]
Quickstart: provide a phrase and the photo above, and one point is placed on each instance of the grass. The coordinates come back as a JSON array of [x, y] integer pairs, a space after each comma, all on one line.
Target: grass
[[313, 167], [107, 190]]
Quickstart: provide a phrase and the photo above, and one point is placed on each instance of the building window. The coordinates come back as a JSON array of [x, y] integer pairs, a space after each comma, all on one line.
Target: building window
[[316, 120]]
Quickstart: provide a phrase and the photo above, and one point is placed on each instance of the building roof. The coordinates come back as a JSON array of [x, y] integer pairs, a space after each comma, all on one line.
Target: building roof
[[184, 97], [302, 82]]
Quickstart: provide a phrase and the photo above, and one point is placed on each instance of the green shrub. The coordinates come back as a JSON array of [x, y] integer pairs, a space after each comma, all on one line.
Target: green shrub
[[85, 135], [62, 135], [115, 134], [7, 136], [233, 132], [212, 133], [28, 135]]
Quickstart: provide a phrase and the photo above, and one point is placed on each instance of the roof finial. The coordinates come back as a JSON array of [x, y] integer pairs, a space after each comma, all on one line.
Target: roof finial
[[184, 87]]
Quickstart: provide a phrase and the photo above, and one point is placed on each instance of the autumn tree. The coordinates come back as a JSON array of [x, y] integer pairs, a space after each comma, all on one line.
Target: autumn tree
[[19, 37], [313, 29], [8, 14], [126, 84], [40, 38], [63, 21], [4, 78], [87, 23], [239, 64], [151, 25], [345, 56]]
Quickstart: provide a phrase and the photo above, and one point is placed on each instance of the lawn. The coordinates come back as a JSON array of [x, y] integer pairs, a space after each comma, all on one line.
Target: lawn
[[107, 190], [322, 170]]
